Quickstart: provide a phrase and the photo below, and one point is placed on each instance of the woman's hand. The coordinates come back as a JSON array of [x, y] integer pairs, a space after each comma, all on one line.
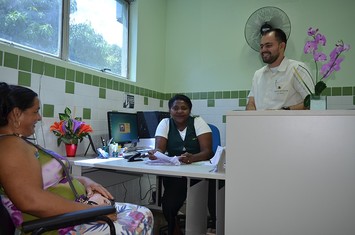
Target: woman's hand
[[151, 155], [186, 158], [98, 199], [93, 187]]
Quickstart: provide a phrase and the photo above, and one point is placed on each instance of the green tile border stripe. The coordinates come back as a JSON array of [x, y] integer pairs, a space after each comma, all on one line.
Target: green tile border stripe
[[73, 76]]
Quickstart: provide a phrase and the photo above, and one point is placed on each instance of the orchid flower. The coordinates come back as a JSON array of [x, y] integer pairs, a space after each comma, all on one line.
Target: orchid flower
[[330, 65]]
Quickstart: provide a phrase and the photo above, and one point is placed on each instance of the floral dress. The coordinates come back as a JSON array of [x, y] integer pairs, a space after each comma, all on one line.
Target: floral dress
[[131, 219]]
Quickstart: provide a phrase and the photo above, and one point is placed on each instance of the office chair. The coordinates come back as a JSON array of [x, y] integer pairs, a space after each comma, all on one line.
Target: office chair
[[216, 141], [42, 225], [216, 137]]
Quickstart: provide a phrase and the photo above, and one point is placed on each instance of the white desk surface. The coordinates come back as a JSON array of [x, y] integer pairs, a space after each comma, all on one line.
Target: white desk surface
[[194, 170]]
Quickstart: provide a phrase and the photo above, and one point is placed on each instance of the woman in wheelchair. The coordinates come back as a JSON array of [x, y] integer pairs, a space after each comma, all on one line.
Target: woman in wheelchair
[[34, 182]]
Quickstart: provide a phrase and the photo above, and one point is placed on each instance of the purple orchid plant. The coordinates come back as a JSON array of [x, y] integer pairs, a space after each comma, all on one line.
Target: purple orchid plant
[[329, 65]]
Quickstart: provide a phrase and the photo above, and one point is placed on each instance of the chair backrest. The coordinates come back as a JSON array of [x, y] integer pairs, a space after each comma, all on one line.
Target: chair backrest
[[6, 224], [216, 137]]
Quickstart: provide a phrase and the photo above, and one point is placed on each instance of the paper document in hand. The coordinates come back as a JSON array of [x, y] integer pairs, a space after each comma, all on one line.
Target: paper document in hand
[[163, 159]]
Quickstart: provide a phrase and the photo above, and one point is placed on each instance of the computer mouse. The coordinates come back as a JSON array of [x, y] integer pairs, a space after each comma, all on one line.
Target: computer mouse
[[135, 158]]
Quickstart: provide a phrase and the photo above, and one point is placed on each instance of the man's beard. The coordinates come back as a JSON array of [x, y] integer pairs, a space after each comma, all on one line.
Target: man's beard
[[270, 59]]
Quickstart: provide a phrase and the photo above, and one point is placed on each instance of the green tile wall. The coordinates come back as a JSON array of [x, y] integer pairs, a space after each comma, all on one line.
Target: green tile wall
[[102, 82], [24, 79], [210, 95], [102, 93], [242, 102], [48, 110], [121, 86], [226, 94], [79, 77], [210, 103], [86, 113], [49, 70], [115, 85], [109, 84], [70, 76], [234, 94], [27, 65], [69, 87], [336, 91], [10, 60], [88, 79], [347, 91], [37, 67], [96, 81], [60, 72], [327, 91], [219, 95]]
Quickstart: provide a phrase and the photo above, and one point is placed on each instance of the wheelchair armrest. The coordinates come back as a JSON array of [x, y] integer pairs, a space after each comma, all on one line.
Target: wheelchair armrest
[[69, 219]]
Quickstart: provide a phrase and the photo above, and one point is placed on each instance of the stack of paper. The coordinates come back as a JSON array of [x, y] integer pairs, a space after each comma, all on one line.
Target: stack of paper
[[163, 159]]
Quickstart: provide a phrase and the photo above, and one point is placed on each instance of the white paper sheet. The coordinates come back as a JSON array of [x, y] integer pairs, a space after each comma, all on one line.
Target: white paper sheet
[[163, 159]]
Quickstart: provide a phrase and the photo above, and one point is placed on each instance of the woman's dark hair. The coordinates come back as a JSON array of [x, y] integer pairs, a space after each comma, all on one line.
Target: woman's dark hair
[[12, 96], [180, 97]]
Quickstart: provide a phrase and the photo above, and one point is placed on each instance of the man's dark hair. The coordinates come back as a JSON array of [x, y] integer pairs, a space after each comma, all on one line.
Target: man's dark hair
[[180, 97], [279, 34]]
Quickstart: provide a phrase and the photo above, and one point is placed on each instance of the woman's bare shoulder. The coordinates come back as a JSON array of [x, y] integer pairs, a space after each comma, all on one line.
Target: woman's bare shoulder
[[14, 148]]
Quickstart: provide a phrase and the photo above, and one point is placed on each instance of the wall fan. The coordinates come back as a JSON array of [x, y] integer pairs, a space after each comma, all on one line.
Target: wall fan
[[263, 19]]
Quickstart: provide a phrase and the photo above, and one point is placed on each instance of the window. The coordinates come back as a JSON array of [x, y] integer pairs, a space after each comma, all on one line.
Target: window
[[95, 33], [32, 24], [98, 34]]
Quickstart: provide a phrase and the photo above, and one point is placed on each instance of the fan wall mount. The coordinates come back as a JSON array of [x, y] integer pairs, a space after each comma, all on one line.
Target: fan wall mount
[[263, 19]]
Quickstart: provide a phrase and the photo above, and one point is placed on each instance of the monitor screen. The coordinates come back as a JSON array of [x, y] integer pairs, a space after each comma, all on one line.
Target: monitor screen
[[122, 127], [148, 122]]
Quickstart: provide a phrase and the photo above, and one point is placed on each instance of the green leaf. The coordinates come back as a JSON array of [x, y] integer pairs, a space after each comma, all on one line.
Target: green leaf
[[59, 141], [319, 88], [307, 101], [67, 111], [62, 116]]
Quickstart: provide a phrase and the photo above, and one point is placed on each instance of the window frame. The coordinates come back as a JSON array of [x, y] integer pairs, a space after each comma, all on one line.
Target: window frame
[[63, 50]]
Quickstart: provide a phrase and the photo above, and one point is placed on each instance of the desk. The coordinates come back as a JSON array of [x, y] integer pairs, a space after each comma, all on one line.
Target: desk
[[292, 172], [196, 201]]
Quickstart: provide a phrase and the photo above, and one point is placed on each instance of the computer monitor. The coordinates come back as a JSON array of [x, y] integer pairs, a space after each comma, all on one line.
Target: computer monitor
[[122, 127], [148, 122]]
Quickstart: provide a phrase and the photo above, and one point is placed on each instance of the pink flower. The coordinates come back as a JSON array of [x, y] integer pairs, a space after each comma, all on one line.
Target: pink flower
[[312, 32], [319, 56], [320, 39], [312, 46]]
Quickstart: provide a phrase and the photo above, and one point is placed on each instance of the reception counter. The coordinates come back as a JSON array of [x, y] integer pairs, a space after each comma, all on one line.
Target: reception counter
[[290, 172]]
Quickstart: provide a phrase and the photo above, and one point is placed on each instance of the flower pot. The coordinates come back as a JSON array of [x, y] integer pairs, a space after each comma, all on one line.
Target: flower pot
[[71, 149], [318, 102]]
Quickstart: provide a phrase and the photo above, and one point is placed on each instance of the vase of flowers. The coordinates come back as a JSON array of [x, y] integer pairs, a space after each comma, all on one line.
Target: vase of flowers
[[70, 131], [70, 149], [328, 66]]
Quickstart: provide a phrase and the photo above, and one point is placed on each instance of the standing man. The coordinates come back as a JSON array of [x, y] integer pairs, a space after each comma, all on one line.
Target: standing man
[[276, 85]]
